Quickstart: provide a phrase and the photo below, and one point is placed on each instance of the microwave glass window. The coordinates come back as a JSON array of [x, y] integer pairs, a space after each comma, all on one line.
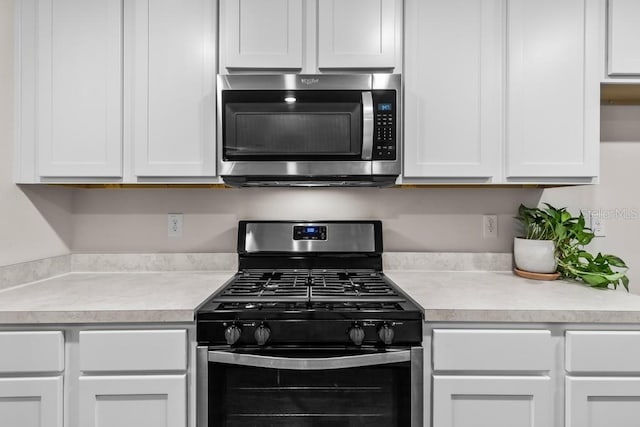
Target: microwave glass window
[[268, 127]]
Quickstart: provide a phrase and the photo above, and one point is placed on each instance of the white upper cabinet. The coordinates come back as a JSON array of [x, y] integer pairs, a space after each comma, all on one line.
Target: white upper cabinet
[[116, 91], [310, 36], [356, 34], [170, 102], [623, 38], [74, 121], [502, 91], [553, 91], [453, 88], [261, 34]]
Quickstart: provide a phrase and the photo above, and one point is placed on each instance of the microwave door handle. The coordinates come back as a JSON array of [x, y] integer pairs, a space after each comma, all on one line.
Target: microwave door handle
[[367, 125], [307, 364]]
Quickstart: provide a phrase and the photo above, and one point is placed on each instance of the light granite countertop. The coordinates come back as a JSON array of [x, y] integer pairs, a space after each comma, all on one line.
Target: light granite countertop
[[503, 297], [449, 288], [110, 297]]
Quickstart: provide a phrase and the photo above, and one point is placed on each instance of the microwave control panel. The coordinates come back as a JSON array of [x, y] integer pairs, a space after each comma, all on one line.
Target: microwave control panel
[[384, 127]]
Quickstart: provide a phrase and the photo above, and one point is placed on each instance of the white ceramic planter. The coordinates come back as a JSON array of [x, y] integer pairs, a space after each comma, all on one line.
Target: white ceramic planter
[[535, 256]]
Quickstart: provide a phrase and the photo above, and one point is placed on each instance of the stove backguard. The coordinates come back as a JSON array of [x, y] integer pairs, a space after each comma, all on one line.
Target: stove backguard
[[310, 245]]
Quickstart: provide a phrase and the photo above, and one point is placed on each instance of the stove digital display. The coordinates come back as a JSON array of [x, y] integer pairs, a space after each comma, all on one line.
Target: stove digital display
[[309, 232]]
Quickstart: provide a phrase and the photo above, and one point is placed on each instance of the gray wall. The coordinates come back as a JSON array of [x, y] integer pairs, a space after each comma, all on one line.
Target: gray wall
[[414, 219], [617, 197], [36, 223]]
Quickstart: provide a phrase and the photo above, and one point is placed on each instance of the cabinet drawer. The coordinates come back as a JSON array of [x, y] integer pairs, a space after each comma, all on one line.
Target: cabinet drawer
[[603, 351], [38, 351], [110, 351], [492, 350]]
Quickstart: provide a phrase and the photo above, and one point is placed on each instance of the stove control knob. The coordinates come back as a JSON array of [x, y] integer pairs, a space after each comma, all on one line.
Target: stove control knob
[[356, 334], [232, 334], [262, 334], [386, 333]]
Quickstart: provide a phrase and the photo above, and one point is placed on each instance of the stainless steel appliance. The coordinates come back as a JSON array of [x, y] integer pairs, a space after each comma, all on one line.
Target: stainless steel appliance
[[294, 129], [310, 332]]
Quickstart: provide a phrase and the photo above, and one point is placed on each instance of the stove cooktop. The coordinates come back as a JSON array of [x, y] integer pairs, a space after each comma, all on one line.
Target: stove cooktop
[[308, 285]]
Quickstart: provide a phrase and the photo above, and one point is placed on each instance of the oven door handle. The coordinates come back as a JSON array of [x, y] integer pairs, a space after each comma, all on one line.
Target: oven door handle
[[306, 364], [367, 126]]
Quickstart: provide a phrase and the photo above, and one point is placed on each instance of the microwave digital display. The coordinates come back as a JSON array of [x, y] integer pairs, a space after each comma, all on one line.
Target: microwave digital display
[[387, 106]]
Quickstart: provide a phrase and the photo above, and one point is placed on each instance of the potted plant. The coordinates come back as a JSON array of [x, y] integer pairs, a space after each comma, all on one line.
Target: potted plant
[[564, 236]]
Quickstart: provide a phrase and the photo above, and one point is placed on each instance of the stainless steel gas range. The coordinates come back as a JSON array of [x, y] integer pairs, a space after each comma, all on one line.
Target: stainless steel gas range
[[309, 332]]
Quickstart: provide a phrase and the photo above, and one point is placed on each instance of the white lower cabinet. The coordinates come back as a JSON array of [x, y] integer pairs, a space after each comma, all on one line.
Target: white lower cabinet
[[111, 396], [603, 380], [492, 377], [28, 398], [496, 401], [31, 402], [602, 402], [133, 401]]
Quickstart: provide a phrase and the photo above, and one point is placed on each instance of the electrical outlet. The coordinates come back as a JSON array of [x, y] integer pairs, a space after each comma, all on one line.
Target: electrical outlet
[[490, 226], [174, 225], [596, 224]]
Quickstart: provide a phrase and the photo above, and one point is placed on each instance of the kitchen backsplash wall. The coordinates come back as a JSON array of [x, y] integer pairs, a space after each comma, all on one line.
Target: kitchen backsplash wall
[[36, 224], [441, 220]]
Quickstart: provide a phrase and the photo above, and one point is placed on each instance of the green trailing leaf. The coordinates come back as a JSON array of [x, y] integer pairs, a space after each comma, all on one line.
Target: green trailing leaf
[[594, 279], [585, 255], [570, 235], [615, 261]]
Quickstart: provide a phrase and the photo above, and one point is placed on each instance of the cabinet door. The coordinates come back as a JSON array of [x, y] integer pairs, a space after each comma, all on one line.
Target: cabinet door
[[31, 402], [623, 38], [553, 97], [133, 401], [470, 401], [79, 88], [356, 34], [453, 88], [171, 64], [263, 34], [602, 402]]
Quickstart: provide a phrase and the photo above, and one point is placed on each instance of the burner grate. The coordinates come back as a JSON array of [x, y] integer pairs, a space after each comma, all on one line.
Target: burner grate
[[268, 284], [351, 283], [309, 284]]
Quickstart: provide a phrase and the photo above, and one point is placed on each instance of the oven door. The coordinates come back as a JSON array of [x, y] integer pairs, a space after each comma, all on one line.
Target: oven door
[[310, 387]]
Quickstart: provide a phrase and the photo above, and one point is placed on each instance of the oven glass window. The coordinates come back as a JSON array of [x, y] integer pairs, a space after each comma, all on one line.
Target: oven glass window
[[242, 396], [292, 125]]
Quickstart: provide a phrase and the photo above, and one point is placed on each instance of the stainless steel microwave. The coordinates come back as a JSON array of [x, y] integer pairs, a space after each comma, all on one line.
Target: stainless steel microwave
[[293, 129]]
